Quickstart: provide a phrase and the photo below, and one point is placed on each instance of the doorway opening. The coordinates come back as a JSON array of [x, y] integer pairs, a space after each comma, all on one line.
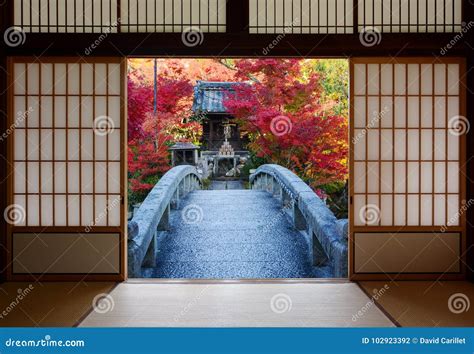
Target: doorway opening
[[238, 168]]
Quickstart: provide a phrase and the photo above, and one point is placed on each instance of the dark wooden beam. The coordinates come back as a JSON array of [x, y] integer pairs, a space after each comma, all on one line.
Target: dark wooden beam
[[237, 16], [468, 10], [5, 10], [231, 44]]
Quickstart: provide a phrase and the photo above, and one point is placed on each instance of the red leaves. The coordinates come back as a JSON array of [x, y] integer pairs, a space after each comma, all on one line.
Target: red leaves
[[151, 135], [281, 110], [279, 104]]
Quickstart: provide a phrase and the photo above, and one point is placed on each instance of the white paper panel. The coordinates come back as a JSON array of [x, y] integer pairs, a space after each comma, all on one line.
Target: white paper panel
[[399, 207], [411, 15], [412, 130], [173, 16], [19, 177], [74, 209], [47, 210], [32, 217], [60, 209], [308, 16], [73, 173], [413, 210], [86, 16], [55, 144]]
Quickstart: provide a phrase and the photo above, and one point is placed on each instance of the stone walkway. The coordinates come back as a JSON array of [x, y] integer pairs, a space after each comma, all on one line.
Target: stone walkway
[[232, 234]]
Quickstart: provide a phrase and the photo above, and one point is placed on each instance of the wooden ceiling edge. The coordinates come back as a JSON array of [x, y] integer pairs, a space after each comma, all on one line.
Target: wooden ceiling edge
[[238, 45]]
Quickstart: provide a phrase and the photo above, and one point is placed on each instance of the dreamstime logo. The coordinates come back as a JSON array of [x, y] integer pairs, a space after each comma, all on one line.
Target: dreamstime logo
[[279, 38], [192, 214], [101, 38], [378, 293], [281, 125], [103, 125], [190, 304], [458, 125], [369, 214], [21, 117], [459, 303], [103, 303], [14, 36], [192, 37], [455, 218], [103, 214], [377, 117], [464, 29], [281, 303], [370, 36], [22, 293], [14, 214]]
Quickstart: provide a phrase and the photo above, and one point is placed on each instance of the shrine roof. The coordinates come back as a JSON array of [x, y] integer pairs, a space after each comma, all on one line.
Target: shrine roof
[[209, 96]]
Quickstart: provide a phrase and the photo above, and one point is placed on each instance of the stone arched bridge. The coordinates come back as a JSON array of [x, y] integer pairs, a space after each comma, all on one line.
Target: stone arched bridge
[[277, 229]]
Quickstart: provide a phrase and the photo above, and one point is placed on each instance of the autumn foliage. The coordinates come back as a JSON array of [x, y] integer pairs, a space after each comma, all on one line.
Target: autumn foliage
[[281, 104], [289, 125]]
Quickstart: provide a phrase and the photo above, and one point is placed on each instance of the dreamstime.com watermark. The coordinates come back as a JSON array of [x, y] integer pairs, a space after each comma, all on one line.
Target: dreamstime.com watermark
[[454, 218], [191, 304], [22, 293], [101, 38], [378, 293], [45, 342], [377, 117], [115, 202], [279, 38], [20, 118], [464, 29]]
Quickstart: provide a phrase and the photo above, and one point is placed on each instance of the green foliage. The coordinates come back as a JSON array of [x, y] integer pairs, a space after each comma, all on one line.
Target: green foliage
[[206, 183], [138, 196], [252, 163], [337, 199], [334, 79]]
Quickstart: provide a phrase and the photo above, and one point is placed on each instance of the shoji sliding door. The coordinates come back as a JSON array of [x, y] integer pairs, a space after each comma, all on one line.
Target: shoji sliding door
[[66, 213], [407, 182]]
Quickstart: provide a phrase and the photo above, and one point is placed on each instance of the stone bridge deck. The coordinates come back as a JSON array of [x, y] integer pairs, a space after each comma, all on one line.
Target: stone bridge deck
[[232, 234]]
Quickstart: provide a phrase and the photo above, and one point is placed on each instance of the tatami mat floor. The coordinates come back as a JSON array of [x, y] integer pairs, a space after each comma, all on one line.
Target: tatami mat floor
[[278, 304], [296, 304], [427, 303], [48, 304]]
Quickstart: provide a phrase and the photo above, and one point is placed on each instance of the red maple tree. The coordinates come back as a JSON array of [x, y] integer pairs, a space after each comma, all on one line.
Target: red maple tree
[[288, 124], [278, 104]]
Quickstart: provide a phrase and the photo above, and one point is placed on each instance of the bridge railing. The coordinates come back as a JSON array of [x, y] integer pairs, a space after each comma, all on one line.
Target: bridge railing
[[154, 213], [327, 235]]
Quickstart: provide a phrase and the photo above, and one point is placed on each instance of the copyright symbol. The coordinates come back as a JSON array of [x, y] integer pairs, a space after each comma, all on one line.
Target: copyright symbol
[[414, 340]]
